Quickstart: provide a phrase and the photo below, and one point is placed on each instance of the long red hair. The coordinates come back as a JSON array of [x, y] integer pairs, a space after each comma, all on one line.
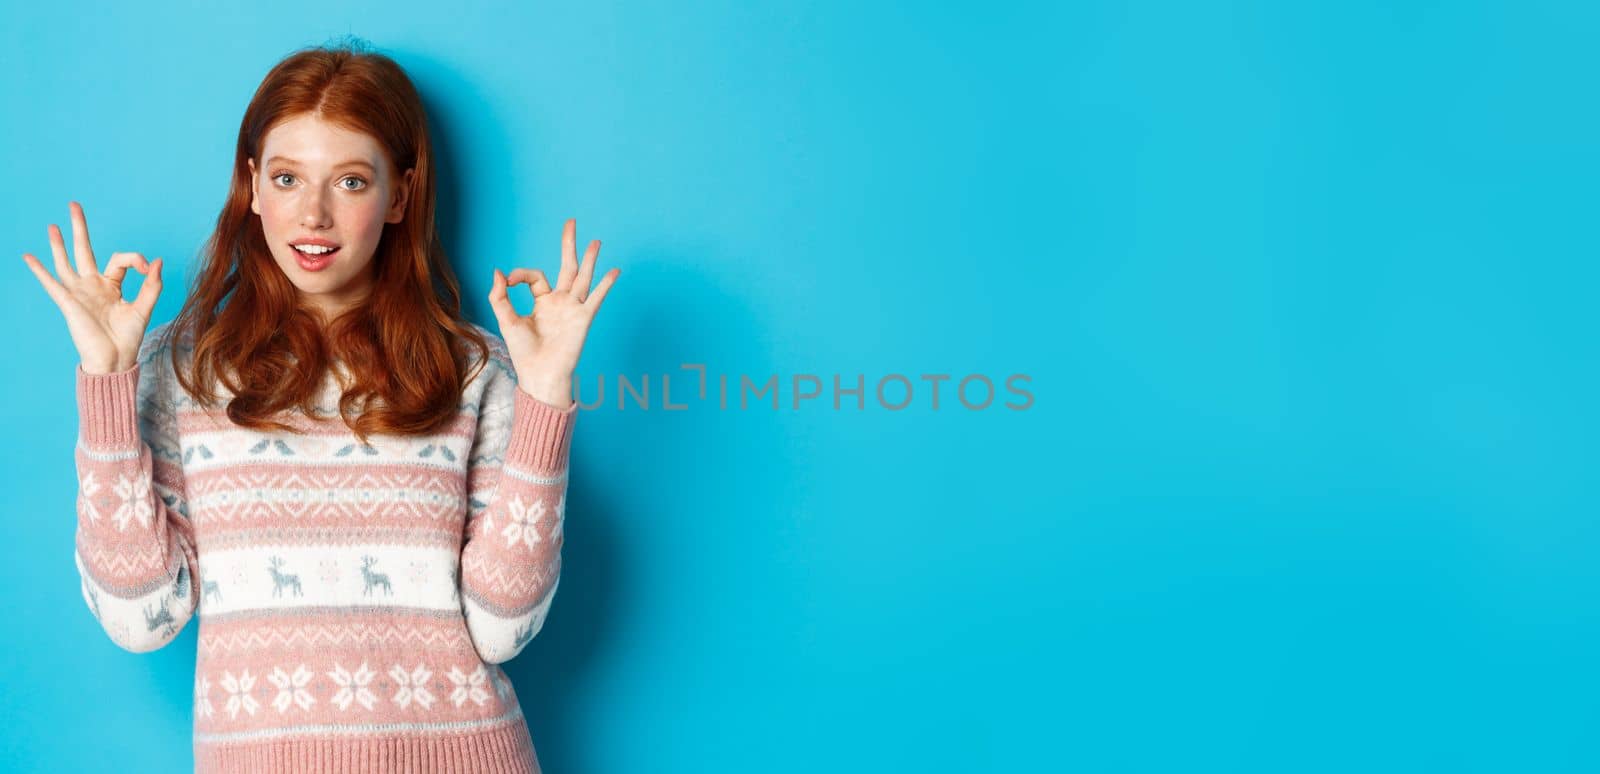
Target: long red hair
[[405, 347]]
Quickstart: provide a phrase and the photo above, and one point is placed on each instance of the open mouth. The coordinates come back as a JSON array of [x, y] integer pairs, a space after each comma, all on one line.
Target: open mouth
[[314, 257], [314, 252]]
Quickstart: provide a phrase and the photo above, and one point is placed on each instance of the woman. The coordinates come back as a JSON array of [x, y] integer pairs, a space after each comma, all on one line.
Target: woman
[[359, 492]]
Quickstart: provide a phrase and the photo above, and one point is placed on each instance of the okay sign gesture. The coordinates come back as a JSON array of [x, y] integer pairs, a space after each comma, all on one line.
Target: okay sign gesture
[[106, 329], [545, 345]]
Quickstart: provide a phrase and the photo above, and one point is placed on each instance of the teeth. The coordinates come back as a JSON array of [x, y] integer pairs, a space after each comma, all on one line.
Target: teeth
[[314, 249]]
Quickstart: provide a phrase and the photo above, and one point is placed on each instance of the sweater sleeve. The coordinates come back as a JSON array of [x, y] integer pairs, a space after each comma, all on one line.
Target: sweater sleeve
[[134, 547], [517, 485]]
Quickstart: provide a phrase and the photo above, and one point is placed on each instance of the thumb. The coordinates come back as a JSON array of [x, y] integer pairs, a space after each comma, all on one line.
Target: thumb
[[500, 302], [146, 300]]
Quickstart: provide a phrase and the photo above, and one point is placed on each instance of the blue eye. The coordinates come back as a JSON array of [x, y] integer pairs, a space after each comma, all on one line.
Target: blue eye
[[279, 177]]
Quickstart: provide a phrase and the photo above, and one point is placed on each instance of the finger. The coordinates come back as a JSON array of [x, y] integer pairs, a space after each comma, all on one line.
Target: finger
[[500, 302], [599, 295], [569, 255], [58, 248], [80, 241], [118, 266], [58, 292], [585, 278], [534, 279], [146, 300]]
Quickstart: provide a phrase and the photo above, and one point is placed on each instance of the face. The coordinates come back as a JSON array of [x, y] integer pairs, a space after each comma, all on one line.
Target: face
[[320, 184]]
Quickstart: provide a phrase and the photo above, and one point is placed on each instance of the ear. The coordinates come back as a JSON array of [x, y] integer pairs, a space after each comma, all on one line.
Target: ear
[[255, 202], [402, 195]]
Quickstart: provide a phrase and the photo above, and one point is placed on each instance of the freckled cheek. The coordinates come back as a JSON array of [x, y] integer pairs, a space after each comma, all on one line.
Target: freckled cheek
[[361, 221], [277, 219]]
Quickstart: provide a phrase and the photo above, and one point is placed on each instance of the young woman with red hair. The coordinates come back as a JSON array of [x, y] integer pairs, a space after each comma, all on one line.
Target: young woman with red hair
[[359, 493]]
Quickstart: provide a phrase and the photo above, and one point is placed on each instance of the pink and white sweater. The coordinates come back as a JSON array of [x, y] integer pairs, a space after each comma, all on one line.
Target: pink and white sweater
[[354, 601]]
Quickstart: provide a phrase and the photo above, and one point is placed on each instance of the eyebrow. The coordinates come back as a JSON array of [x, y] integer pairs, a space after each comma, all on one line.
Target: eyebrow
[[349, 163]]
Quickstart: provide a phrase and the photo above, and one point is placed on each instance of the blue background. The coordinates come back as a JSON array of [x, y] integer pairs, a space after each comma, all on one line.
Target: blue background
[[1305, 295]]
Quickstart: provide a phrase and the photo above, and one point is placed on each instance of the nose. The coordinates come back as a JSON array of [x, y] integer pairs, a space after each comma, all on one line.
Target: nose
[[315, 213]]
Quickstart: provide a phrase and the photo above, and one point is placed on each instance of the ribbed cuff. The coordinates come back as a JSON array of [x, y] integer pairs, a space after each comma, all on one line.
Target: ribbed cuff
[[541, 434], [108, 411]]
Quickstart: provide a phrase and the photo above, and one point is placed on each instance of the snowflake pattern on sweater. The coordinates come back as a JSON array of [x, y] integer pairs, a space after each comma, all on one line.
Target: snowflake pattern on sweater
[[348, 594]]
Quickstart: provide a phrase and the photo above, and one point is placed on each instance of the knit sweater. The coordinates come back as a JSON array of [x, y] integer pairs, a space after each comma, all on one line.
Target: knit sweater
[[355, 601]]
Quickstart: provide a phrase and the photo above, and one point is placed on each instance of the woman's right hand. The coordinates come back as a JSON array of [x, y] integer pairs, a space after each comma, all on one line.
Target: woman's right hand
[[106, 329]]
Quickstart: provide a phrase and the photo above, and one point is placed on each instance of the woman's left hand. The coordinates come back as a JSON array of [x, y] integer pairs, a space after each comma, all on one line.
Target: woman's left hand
[[546, 344]]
